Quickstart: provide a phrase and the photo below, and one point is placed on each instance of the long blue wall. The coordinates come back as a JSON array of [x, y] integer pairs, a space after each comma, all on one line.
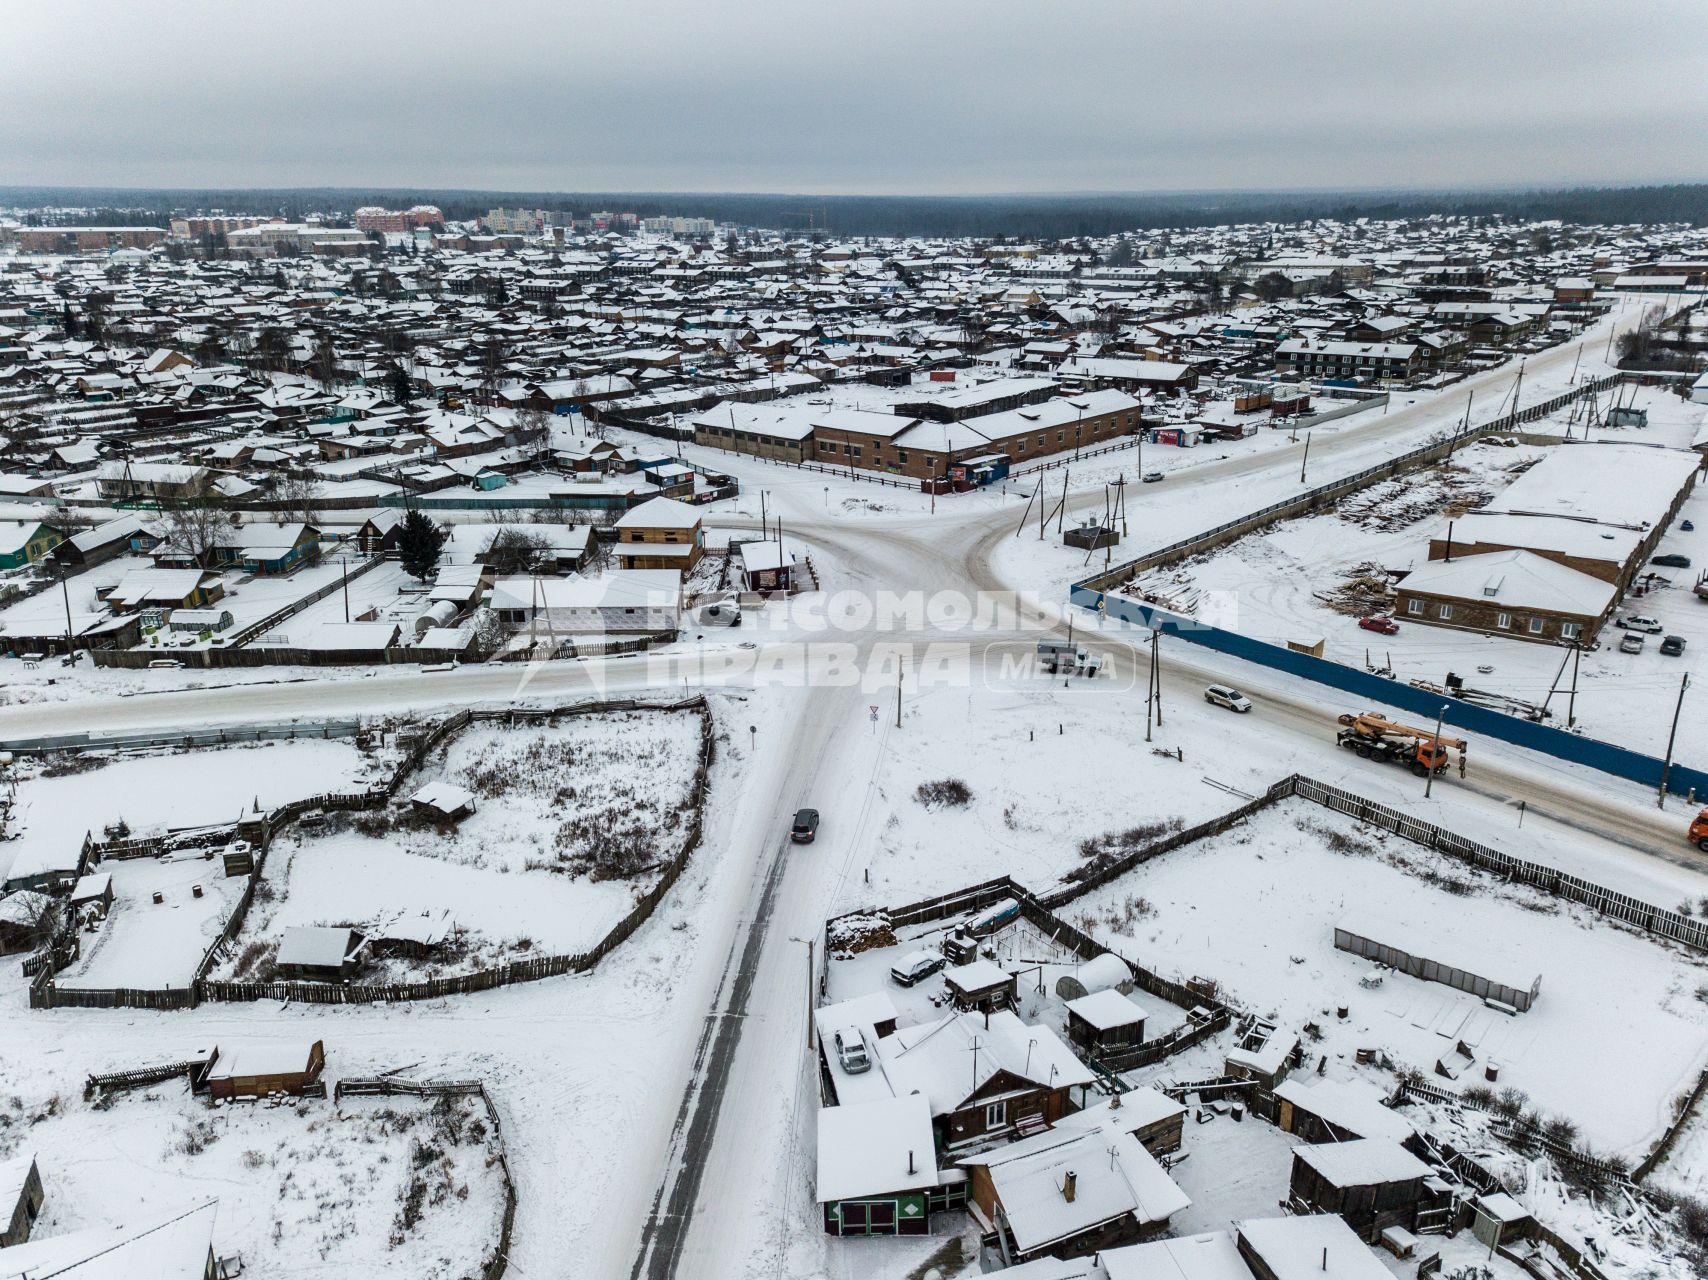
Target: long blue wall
[[1604, 756]]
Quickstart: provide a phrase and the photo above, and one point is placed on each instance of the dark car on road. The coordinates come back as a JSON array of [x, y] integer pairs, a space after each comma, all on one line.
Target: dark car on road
[[1672, 646], [1672, 561], [806, 826]]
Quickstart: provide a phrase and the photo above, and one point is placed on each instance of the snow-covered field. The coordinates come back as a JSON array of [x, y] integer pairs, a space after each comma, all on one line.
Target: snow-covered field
[[165, 790], [378, 1187], [1618, 1030], [147, 944], [572, 822]]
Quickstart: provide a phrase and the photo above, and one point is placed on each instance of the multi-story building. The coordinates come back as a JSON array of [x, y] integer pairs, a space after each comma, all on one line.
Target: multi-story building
[[397, 221], [194, 228], [517, 222], [1360, 361], [86, 239]]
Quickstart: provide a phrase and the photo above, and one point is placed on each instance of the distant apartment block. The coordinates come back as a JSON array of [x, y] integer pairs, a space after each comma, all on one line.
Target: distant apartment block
[[86, 239], [397, 221]]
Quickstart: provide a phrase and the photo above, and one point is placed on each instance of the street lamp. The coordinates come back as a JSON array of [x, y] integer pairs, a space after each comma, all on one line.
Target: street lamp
[[812, 972]]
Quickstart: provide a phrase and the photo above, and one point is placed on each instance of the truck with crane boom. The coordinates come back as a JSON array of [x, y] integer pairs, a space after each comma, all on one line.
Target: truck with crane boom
[[1375, 737]]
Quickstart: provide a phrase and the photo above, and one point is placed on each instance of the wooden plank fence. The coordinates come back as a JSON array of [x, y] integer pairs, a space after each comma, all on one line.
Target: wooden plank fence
[[46, 994], [498, 1261], [1641, 915]]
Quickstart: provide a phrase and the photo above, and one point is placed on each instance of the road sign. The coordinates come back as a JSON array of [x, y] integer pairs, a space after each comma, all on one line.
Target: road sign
[[874, 712]]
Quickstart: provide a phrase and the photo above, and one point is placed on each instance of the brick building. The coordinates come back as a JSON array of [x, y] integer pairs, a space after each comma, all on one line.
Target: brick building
[[86, 239]]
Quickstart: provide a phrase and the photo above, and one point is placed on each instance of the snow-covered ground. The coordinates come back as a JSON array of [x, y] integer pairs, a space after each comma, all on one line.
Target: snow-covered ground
[[155, 791], [1618, 1030], [303, 1189], [148, 944], [572, 823]]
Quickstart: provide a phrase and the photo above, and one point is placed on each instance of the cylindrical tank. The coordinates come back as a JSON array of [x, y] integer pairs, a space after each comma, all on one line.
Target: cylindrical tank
[[439, 615], [1107, 972]]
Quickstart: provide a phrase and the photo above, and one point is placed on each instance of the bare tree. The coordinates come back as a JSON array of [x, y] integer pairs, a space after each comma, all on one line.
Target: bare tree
[[296, 492], [514, 550], [198, 527]]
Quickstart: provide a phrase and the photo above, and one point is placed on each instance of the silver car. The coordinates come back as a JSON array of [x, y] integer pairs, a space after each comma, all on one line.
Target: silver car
[[1226, 696], [851, 1051]]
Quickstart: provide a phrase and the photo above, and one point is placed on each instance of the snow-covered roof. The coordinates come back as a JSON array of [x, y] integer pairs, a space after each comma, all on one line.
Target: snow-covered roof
[[1106, 1009], [864, 1148], [268, 1058], [446, 797], [319, 946], [1606, 482], [1312, 1247], [1512, 579], [1576, 538], [1352, 1105], [151, 1249], [1212, 1256], [933, 1058], [1114, 1176], [1363, 1162], [660, 513]]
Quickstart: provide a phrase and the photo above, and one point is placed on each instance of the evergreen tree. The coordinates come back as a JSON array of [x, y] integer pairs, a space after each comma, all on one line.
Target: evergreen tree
[[419, 542]]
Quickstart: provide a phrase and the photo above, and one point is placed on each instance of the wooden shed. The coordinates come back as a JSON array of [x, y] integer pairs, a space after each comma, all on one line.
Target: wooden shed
[[320, 952], [1105, 1022], [259, 1070], [981, 984], [1372, 1183]]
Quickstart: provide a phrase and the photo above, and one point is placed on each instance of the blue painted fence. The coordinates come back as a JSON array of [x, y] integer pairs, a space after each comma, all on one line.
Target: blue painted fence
[[1603, 756]]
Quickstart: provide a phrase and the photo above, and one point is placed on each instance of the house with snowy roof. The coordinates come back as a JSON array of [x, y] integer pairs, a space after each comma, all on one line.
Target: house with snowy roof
[[1070, 1191]]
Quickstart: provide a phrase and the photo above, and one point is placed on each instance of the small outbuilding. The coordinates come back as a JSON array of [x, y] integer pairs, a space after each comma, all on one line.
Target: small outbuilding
[[981, 984], [1372, 1183], [255, 1071], [320, 952], [444, 800], [1105, 1022], [1317, 1247], [93, 893]]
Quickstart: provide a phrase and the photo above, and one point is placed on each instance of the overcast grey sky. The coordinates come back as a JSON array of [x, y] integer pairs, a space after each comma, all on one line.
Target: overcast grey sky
[[908, 96]]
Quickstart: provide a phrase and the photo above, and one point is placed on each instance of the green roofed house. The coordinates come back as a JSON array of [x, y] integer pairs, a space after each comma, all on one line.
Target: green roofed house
[[24, 542]]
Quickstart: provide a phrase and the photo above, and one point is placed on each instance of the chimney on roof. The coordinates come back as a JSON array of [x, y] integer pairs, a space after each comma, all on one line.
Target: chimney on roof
[[910, 1168], [1070, 1185], [1115, 1101], [1325, 1257]]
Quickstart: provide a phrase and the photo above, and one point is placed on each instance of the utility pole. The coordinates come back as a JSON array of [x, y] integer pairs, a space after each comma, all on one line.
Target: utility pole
[[1572, 698], [1150, 689], [1306, 458], [1156, 674], [70, 632], [1666, 768], [1464, 427], [762, 525], [899, 674], [1434, 746], [344, 582], [812, 972]]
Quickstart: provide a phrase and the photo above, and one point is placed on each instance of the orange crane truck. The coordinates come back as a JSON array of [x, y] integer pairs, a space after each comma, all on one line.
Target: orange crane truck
[[1373, 737], [1699, 831]]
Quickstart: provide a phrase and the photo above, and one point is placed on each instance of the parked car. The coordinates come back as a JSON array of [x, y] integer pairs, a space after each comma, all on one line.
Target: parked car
[[1672, 646], [1151, 477], [915, 967], [806, 826], [1640, 622], [1632, 643], [1380, 623], [723, 613], [1672, 561], [1689, 526], [1222, 695], [851, 1051]]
